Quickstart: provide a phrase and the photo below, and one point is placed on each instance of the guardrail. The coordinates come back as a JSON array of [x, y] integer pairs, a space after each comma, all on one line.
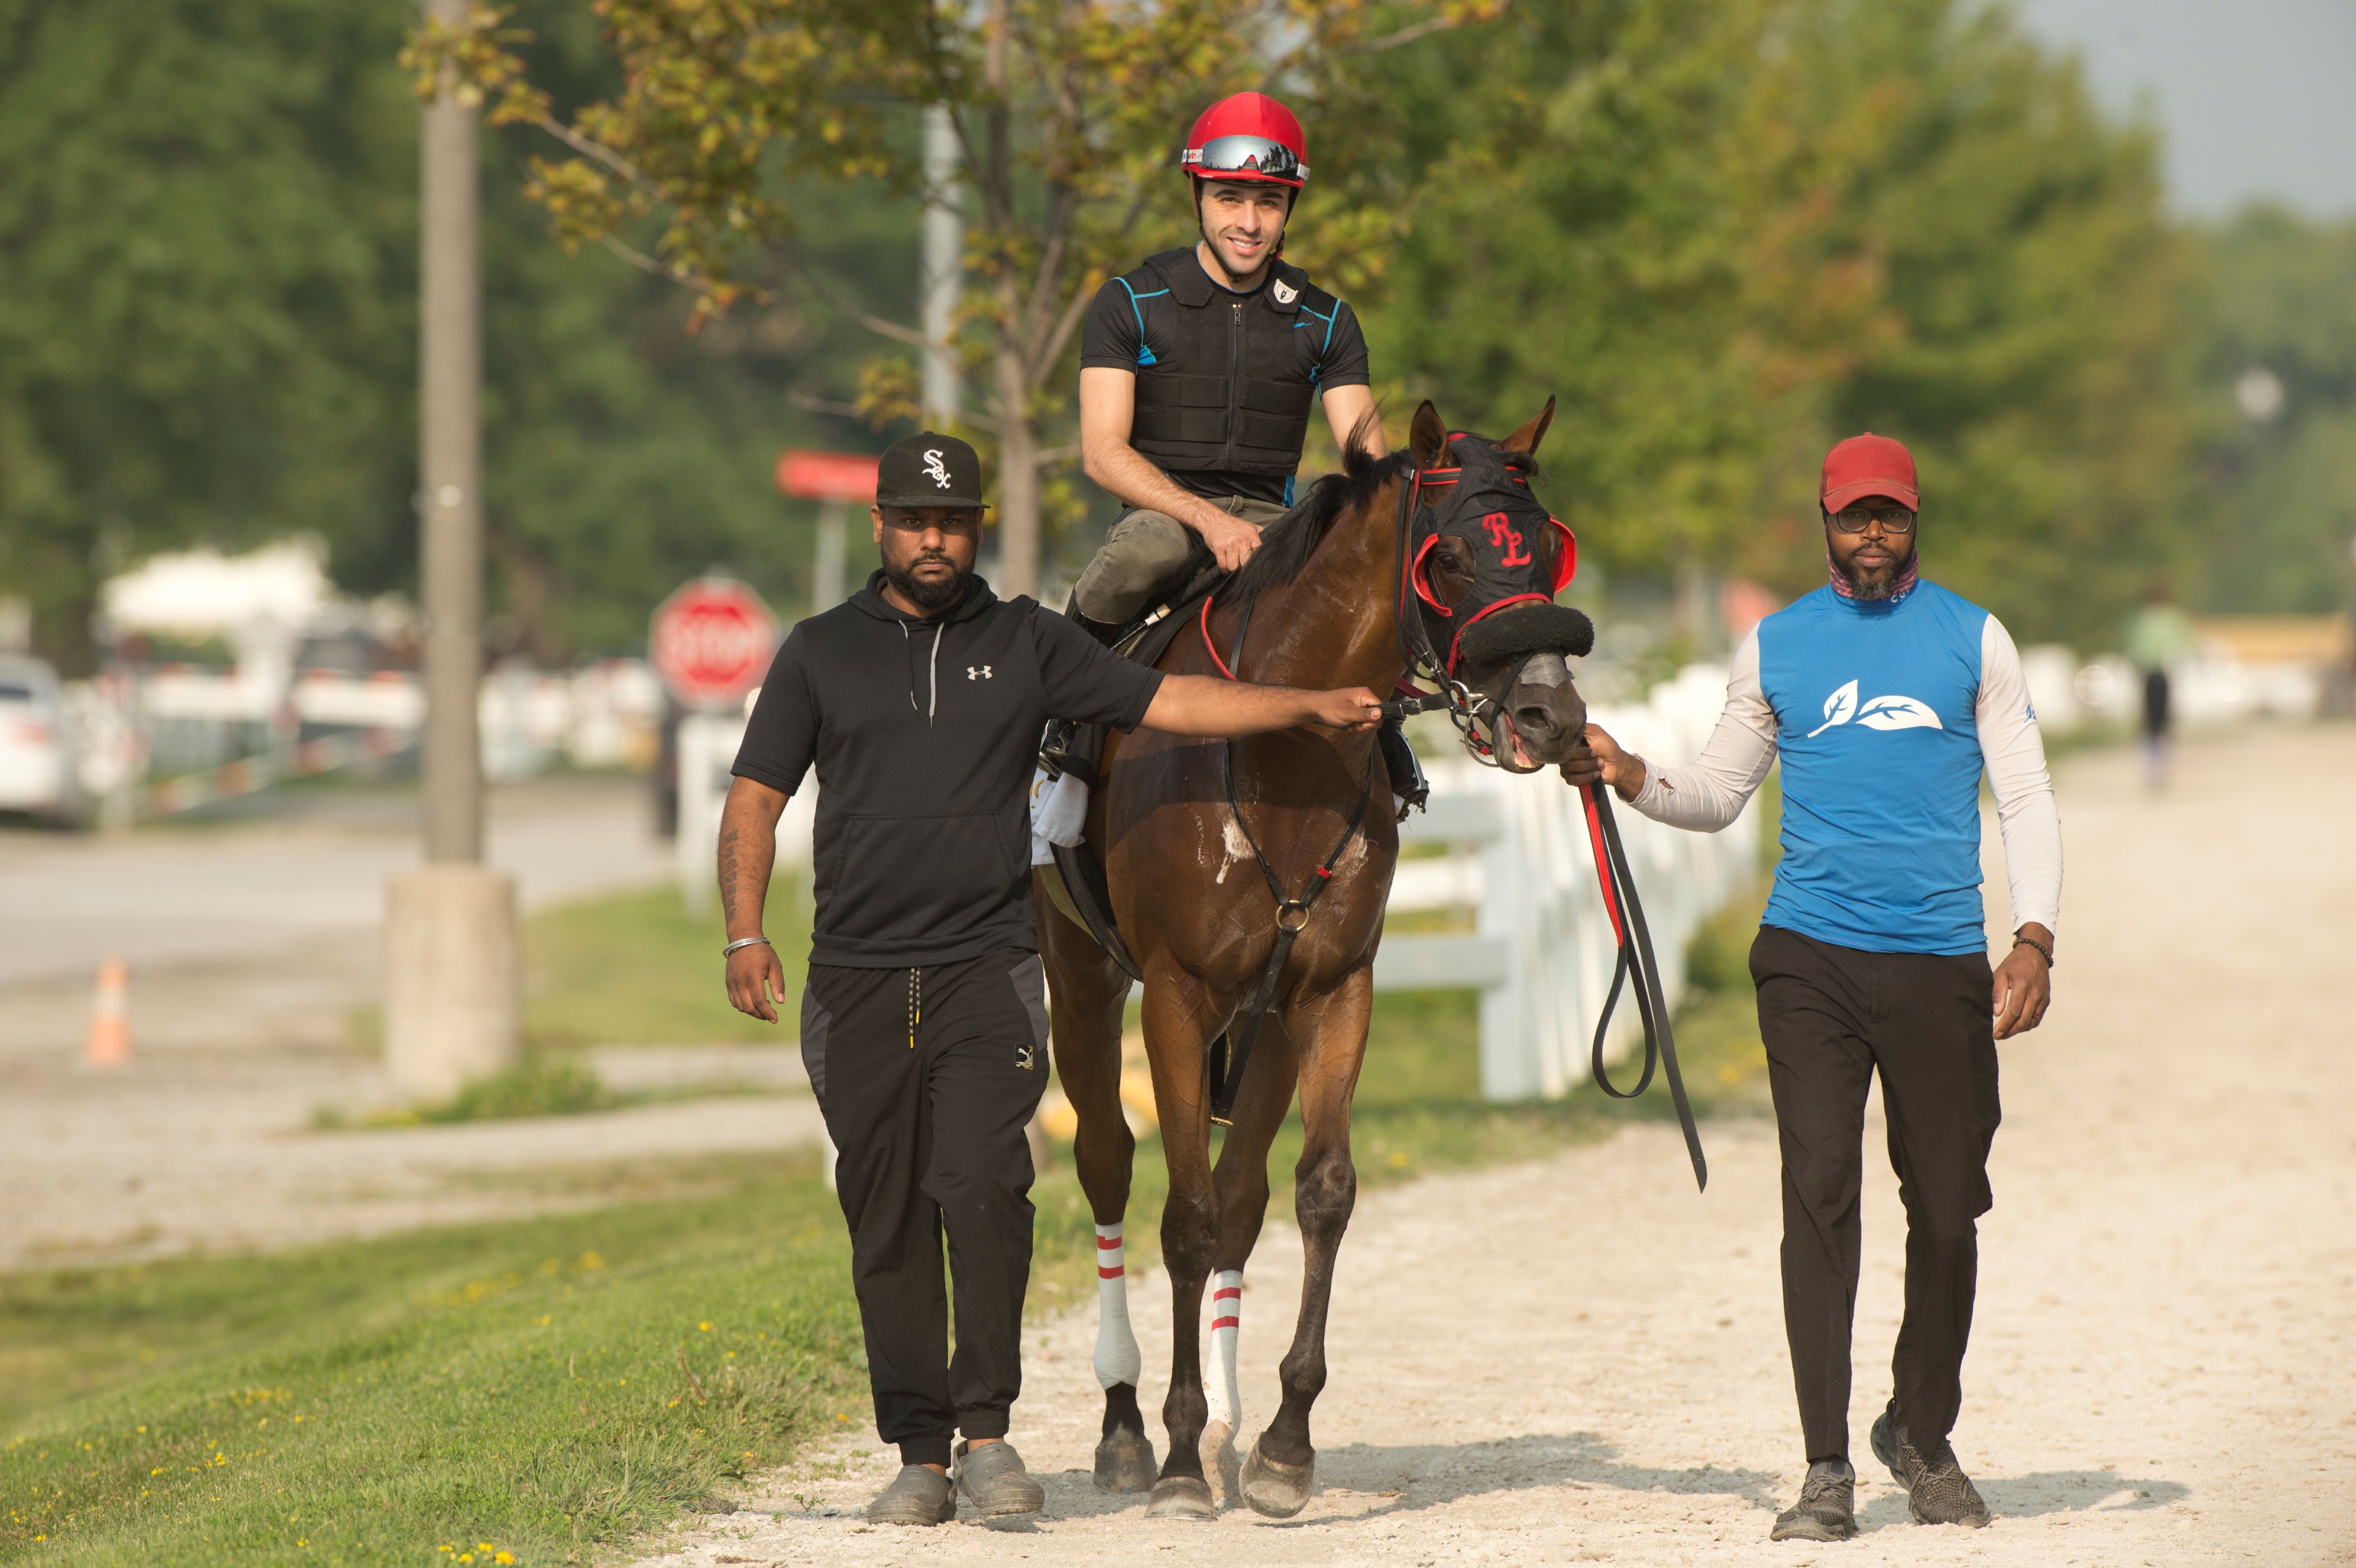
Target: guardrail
[[1515, 855]]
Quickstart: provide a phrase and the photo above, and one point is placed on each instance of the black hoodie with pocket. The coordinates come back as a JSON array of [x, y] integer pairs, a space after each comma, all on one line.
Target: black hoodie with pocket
[[924, 731]]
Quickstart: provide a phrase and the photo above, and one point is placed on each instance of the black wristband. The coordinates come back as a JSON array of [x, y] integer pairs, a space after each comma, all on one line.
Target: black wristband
[[2043, 952]]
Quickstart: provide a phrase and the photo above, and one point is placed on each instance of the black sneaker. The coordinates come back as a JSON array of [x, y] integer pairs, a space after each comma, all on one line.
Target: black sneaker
[[1827, 1507], [1937, 1490]]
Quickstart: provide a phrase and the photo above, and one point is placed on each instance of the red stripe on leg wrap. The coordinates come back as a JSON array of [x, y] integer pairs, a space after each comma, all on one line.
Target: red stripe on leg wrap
[[1108, 1243], [1222, 1295], [1219, 1323], [1112, 1273]]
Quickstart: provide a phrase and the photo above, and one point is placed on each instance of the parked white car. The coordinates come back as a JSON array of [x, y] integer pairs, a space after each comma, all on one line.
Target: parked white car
[[37, 772]]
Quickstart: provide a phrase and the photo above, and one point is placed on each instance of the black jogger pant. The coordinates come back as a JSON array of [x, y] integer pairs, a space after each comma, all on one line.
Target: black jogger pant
[[926, 1078], [1830, 1016]]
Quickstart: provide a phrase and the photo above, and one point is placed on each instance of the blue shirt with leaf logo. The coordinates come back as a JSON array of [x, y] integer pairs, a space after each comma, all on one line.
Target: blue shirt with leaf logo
[[1874, 714]]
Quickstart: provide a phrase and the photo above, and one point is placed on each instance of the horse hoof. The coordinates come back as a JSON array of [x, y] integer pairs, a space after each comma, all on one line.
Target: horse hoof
[[1182, 1496], [1275, 1488], [1125, 1461], [1220, 1465]]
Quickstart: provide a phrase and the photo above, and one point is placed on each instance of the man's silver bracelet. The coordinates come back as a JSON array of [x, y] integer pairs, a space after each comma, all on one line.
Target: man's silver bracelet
[[745, 943]]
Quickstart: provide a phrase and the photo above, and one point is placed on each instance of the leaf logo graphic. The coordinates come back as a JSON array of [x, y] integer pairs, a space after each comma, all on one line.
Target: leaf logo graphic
[[1897, 713], [1840, 708]]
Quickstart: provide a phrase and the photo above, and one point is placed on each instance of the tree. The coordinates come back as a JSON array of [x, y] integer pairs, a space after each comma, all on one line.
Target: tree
[[2281, 297], [1068, 114], [198, 337], [208, 233], [1729, 232]]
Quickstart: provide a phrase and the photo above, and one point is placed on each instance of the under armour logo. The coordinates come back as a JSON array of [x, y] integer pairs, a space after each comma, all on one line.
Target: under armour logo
[[933, 466], [977, 671]]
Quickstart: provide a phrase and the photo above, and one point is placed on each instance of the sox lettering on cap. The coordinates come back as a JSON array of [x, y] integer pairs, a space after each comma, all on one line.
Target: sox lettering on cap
[[928, 469]]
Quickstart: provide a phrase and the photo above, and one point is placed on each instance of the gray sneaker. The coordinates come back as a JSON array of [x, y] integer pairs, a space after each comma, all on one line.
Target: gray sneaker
[[1937, 1490], [916, 1496], [1827, 1507], [994, 1481]]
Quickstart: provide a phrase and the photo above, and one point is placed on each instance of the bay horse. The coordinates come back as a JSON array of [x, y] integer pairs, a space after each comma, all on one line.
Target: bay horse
[[1437, 558]]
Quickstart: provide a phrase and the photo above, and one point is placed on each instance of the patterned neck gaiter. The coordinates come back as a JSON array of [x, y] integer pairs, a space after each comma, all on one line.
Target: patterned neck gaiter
[[1898, 590]]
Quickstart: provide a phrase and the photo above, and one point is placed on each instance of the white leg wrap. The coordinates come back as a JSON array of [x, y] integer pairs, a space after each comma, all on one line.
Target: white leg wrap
[[1117, 1359], [1227, 1316]]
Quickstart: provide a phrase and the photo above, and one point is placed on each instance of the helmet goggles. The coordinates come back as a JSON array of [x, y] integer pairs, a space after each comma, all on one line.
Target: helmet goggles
[[1246, 158]]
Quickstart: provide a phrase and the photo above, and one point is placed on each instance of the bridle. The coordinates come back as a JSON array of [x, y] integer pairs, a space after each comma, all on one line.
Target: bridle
[[1230, 1052], [1467, 709]]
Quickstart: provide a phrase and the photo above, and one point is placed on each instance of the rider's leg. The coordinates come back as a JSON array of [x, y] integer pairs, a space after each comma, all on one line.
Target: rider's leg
[[1143, 553]]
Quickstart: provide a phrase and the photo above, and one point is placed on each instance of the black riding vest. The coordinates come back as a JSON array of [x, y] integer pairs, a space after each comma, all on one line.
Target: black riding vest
[[1226, 380]]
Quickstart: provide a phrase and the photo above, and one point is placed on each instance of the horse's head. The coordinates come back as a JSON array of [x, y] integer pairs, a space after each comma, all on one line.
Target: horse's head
[[1484, 562]]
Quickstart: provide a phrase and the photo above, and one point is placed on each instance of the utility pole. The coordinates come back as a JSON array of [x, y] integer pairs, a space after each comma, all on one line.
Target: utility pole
[[451, 963], [939, 279]]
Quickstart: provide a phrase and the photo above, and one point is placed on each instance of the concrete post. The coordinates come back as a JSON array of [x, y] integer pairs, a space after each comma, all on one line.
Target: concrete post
[[450, 977], [944, 256], [451, 970]]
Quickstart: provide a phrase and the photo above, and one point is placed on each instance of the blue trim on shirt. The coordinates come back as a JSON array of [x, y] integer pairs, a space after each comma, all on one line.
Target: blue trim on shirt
[[1144, 354], [1317, 370]]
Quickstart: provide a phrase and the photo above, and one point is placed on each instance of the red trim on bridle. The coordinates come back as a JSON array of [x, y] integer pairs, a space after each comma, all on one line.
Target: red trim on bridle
[[1423, 584], [1208, 646], [1483, 613], [1566, 564]]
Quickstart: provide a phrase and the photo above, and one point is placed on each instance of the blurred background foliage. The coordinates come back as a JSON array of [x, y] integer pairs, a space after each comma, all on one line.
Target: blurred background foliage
[[1722, 231]]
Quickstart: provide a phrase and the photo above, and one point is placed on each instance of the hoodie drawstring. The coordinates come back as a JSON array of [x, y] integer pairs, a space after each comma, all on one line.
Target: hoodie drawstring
[[932, 672]]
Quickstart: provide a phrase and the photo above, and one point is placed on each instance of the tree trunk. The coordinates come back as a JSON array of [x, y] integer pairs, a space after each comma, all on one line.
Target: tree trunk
[[1018, 479]]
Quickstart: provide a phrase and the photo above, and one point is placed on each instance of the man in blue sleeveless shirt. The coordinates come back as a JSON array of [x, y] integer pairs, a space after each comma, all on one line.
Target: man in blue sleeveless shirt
[[1886, 696]]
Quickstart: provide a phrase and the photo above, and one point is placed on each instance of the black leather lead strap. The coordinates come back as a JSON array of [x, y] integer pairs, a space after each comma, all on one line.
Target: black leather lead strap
[[1636, 955]]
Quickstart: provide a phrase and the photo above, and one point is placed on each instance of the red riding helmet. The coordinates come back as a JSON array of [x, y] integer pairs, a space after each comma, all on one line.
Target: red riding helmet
[[1250, 136]]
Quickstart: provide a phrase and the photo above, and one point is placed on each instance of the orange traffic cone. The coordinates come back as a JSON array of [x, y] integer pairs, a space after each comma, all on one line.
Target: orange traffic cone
[[110, 1018]]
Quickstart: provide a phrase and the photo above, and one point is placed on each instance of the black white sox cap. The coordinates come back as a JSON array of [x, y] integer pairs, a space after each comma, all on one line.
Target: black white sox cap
[[928, 469]]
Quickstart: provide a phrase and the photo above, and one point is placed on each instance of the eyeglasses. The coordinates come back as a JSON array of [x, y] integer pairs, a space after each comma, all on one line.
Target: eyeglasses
[[1245, 155], [1894, 519]]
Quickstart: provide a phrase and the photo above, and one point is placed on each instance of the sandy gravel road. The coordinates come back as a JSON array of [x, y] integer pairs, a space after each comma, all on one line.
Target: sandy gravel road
[[256, 935], [1583, 1361]]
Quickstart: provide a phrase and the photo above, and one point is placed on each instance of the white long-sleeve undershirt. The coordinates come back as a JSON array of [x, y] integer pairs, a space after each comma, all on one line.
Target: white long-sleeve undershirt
[[1711, 792]]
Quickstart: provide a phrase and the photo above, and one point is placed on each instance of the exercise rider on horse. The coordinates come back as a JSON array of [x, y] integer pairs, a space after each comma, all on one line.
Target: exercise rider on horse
[[1197, 371]]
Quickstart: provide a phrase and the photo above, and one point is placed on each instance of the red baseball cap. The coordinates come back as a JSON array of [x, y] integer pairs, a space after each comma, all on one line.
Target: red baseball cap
[[1868, 464]]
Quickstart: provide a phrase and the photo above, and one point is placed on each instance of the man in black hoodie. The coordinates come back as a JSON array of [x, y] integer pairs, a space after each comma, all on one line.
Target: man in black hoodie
[[924, 1023]]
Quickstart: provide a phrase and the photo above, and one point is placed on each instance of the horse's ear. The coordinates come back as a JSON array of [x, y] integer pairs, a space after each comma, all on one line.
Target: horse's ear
[[1427, 437], [1526, 440]]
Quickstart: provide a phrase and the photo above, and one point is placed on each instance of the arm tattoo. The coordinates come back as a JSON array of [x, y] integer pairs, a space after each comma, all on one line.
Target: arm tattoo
[[728, 863]]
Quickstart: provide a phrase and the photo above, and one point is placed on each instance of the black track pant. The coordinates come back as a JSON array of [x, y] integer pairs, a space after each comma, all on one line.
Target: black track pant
[[925, 1078], [1830, 1016]]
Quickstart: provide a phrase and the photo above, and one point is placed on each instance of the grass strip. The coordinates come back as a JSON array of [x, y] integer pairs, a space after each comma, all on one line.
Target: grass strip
[[540, 1390], [532, 1388]]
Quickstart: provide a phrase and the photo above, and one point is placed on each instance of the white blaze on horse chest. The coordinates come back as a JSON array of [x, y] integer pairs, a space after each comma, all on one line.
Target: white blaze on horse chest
[[1236, 848]]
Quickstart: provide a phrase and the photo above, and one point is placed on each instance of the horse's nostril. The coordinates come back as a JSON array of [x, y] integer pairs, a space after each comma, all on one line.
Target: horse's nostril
[[1535, 719]]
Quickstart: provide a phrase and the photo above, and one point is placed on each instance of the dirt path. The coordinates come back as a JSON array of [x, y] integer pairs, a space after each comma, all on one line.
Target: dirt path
[[214, 1153], [1584, 1360]]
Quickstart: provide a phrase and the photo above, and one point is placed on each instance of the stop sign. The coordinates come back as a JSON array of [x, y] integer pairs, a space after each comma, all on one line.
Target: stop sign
[[711, 642]]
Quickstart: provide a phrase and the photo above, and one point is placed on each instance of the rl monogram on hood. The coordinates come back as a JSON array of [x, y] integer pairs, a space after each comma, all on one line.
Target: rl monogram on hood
[[1521, 555]]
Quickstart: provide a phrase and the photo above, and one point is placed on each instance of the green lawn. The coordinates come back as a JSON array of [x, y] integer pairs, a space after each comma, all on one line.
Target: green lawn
[[636, 969], [554, 1386], [541, 1386]]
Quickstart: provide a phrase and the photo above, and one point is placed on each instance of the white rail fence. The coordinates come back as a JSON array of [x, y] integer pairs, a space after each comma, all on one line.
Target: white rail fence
[[1541, 948], [1515, 856]]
